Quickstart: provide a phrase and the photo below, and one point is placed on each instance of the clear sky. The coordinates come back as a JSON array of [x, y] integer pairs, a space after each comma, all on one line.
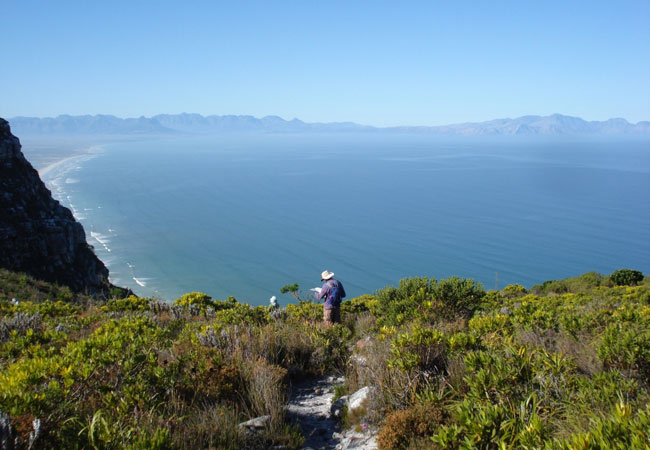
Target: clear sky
[[378, 63]]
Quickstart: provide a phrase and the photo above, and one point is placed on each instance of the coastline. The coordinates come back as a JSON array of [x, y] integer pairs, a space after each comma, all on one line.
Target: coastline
[[92, 150]]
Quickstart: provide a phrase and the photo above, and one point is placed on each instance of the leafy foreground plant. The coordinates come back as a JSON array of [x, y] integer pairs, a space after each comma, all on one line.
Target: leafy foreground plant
[[452, 367], [557, 371]]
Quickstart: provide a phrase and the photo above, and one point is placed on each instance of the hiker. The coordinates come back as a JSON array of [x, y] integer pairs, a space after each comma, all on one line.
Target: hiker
[[332, 291]]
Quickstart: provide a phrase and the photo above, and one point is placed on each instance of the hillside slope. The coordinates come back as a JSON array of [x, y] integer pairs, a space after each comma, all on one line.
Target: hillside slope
[[38, 235]]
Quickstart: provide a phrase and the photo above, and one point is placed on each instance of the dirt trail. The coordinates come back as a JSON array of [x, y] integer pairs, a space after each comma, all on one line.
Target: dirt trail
[[309, 407]]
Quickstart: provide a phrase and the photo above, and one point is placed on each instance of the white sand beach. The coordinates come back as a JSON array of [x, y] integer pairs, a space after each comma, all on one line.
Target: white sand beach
[[47, 158], [49, 168]]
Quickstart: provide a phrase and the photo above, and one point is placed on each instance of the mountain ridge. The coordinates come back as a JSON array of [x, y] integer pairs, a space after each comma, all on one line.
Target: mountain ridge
[[192, 123]]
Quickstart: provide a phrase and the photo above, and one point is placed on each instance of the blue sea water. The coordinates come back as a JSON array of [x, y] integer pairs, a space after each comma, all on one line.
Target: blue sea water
[[243, 215]]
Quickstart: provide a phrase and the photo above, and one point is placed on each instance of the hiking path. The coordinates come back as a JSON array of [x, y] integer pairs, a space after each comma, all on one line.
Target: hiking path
[[309, 406]]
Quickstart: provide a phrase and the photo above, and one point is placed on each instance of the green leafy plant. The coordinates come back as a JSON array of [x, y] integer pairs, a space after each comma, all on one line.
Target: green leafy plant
[[626, 277]]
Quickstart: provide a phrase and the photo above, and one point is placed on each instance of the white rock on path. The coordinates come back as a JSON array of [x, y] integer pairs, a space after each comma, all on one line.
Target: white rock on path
[[358, 399], [310, 407]]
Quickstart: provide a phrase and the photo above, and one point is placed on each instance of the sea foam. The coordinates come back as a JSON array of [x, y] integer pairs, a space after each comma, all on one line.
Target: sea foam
[[102, 239]]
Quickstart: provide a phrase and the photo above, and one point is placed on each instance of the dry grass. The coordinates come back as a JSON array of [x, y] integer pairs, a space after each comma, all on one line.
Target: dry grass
[[578, 349], [394, 388], [362, 324], [267, 391], [410, 428], [206, 426]]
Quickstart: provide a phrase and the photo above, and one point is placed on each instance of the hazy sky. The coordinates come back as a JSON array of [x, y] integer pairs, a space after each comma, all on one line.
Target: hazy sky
[[378, 63]]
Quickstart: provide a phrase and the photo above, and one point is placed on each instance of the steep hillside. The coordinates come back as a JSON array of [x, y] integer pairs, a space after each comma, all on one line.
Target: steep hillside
[[38, 235]]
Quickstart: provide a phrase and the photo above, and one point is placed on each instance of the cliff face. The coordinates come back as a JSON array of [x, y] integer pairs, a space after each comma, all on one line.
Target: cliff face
[[38, 236]]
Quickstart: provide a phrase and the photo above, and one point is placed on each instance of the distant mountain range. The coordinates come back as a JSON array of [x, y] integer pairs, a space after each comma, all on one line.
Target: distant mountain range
[[555, 124]]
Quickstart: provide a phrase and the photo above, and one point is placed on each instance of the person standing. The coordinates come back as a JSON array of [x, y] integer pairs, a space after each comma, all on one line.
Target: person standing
[[332, 291]]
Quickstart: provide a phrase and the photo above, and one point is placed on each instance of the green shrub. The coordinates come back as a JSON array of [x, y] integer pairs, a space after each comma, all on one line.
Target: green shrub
[[622, 428], [486, 425], [513, 291], [626, 347], [493, 323], [458, 297], [329, 348], [423, 349], [46, 308], [25, 288], [550, 287], [359, 304], [397, 305], [309, 311], [131, 303], [626, 277], [240, 313], [425, 297], [559, 371], [194, 298], [583, 283]]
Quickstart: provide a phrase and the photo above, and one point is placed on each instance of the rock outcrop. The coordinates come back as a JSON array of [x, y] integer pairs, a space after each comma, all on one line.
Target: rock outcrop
[[38, 235]]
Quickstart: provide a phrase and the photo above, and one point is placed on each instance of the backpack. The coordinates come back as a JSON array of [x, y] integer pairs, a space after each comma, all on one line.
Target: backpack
[[334, 294]]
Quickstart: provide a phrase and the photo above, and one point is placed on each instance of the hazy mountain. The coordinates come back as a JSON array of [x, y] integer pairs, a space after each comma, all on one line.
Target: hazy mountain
[[196, 123], [555, 124], [99, 124]]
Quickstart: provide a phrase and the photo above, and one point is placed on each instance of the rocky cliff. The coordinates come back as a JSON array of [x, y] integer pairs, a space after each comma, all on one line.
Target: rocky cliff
[[38, 235]]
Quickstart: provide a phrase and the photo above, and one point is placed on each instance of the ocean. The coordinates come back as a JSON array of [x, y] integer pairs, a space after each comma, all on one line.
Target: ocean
[[243, 215]]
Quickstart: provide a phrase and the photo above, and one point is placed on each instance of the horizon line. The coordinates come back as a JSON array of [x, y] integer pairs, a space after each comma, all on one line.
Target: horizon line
[[327, 123]]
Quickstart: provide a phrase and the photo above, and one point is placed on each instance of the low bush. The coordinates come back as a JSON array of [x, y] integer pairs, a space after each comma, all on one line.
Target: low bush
[[194, 298], [428, 299], [626, 277], [451, 366], [305, 311], [513, 291], [411, 428], [131, 303]]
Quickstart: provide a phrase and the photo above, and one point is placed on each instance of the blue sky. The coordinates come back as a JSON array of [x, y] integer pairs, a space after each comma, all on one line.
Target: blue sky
[[378, 63]]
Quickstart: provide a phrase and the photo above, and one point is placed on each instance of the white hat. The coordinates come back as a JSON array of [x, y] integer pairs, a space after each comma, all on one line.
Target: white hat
[[326, 275]]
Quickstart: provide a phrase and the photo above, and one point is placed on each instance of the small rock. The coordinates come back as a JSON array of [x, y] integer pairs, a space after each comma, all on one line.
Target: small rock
[[254, 426], [360, 397], [337, 406]]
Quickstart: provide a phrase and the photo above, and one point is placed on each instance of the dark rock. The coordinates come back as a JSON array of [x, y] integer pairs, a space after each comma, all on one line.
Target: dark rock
[[336, 409], [38, 236], [7, 439]]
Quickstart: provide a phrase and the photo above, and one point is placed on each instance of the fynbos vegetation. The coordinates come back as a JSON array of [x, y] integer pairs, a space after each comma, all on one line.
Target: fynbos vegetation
[[565, 365]]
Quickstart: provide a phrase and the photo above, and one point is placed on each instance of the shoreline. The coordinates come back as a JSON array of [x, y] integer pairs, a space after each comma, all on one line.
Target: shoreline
[[92, 150]]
